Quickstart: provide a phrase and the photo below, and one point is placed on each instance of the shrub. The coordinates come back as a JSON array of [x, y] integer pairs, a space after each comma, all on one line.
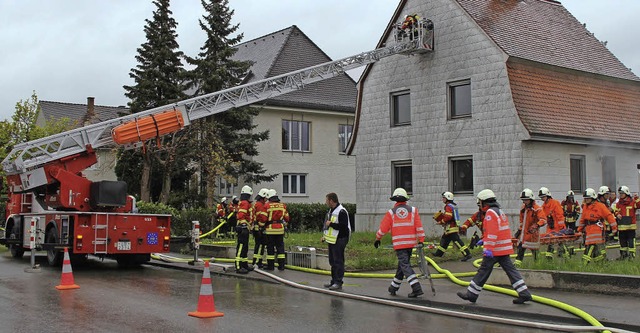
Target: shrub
[[310, 216]]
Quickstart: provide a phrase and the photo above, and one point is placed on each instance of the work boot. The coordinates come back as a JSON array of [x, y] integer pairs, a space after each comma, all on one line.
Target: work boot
[[465, 296], [467, 257], [392, 290], [415, 293], [522, 299], [327, 285], [242, 270], [335, 286]]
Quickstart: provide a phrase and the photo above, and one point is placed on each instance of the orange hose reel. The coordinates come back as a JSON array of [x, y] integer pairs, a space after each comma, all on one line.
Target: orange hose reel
[[145, 128]]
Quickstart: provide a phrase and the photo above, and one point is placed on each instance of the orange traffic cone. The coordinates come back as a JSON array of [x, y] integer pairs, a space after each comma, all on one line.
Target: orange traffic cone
[[66, 281], [206, 306]]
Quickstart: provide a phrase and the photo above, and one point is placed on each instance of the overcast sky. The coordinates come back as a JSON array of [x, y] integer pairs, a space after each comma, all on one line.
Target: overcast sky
[[67, 50]]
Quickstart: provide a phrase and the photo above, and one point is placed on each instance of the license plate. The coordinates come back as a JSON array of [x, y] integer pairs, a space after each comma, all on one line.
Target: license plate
[[123, 246]]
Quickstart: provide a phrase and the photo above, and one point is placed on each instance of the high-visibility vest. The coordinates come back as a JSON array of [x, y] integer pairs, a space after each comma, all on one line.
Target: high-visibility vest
[[331, 234]]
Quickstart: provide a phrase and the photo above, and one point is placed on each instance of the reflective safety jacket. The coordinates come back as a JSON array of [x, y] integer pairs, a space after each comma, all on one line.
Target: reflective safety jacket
[[277, 217], [245, 213], [405, 225], [571, 211], [261, 217], [450, 219], [592, 222], [330, 233], [475, 219], [555, 215], [497, 233], [531, 220], [221, 210], [626, 213]]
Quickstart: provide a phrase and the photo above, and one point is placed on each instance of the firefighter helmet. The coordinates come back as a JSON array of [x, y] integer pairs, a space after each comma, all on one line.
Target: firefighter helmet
[[485, 194], [526, 194], [624, 189], [570, 194], [603, 190], [271, 193], [544, 192], [246, 190], [399, 194], [590, 193], [224, 199], [448, 195]]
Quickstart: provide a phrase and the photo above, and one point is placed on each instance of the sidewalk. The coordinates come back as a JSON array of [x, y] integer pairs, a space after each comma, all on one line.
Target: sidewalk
[[614, 311]]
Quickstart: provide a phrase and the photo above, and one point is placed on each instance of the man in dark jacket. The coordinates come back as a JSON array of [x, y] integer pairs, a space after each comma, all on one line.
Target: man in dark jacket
[[337, 229]]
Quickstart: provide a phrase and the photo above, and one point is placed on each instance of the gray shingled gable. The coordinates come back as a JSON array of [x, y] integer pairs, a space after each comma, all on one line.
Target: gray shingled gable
[[76, 112], [288, 50]]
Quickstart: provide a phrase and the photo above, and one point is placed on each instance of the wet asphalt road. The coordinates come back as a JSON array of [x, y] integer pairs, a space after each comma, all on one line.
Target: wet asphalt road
[[152, 299]]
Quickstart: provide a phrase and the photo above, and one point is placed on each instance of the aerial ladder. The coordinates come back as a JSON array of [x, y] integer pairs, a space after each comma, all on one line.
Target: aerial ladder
[[98, 217]]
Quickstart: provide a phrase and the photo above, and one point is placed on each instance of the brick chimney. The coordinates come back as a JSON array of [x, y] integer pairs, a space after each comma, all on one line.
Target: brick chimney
[[91, 112]]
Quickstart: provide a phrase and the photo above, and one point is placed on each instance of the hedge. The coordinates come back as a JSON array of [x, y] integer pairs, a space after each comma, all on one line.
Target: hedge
[[304, 217]]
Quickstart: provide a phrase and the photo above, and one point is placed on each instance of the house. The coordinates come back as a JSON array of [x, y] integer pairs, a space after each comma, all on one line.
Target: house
[[516, 94], [309, 128], [80, 115]]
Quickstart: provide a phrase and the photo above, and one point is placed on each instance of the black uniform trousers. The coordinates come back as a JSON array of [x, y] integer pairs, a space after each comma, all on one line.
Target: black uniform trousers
[[484, 271], [336, 260]]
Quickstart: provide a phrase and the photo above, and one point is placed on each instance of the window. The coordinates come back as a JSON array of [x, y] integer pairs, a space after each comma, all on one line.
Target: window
[[226, 188], [401, 108], [461, 174], [609, 172], [402, 175], [294, 184], [577, 173], [295, 135], [344, 135], [459, 99]]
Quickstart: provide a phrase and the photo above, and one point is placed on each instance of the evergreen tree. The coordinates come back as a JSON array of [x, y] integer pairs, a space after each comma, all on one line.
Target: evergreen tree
[[227, 135], [158, 77]]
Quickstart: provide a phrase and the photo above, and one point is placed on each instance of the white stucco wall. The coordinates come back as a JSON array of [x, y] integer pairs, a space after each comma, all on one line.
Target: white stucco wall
[[327, 170], [491, 136]]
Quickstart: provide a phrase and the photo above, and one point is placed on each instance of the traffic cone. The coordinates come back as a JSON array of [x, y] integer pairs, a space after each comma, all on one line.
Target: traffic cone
[[66, 281], [206, 306]]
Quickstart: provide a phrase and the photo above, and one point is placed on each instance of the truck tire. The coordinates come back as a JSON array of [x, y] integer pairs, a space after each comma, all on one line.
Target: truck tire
[[17, 251], [54, 256]]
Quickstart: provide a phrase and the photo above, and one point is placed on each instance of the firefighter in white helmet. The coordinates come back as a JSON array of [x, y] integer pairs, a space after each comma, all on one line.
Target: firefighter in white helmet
[[245, 220], [555, 221], [260, 211], [222, 211], [532, 218], [571, 210], [496, 240], [277, 219], [403, 221], [594, 214], [450, 220], [626, 215], [604, 196]]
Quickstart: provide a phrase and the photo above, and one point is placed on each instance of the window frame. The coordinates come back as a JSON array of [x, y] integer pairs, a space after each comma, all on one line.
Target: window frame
[[225, 188], [396, 167], [286, 184], [341, 140], [393, 103], [582, 162], [452, 161], [289, 140], [451, 86]]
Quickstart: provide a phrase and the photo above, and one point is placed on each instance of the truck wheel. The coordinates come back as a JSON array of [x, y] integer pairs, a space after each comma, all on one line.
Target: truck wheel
[[17, 251], [54, 256]]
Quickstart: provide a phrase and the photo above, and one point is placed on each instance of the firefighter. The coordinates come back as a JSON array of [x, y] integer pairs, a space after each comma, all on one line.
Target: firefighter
[[260, 211], [626, 214], [403, 221], [532, 218], [497, 249], [277, 218], [594, 213], [232, 215], [555, 220], [604, 194], [245, 220], [571, 210], [449, 221], [222, 210], [474, 220]]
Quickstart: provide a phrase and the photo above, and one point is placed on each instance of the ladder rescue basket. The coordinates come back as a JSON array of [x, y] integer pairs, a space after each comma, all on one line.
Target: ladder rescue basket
[[148, 127]]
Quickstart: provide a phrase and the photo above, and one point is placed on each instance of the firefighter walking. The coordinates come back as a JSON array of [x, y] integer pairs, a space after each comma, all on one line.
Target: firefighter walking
[[592, 222], [277, 218], [475, 220], [571, 210], [497, 248], [245, 220], [626, 213], [449, 221], [532, 218], [403, 221], [260, 211], [555, 220]]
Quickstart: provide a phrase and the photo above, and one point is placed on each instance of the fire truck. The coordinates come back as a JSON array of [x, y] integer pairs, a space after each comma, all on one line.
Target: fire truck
[[52, 206]]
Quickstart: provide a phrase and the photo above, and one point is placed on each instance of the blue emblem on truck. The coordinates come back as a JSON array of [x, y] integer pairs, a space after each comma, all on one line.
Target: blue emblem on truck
[[152, 238]]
